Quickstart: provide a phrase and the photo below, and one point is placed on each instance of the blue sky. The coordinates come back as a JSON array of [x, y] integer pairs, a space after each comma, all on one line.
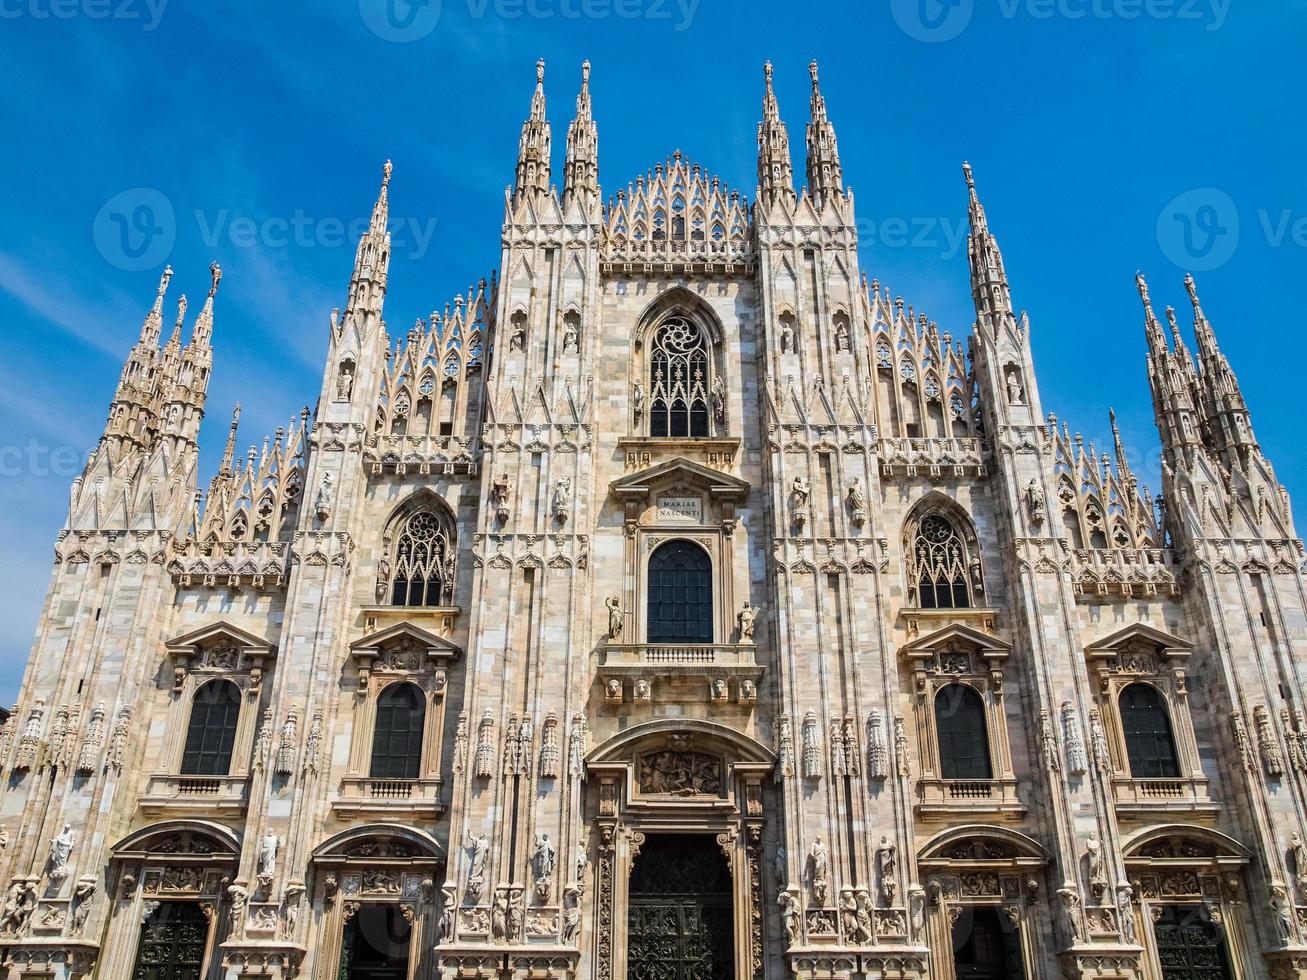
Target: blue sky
[[1107, 135]]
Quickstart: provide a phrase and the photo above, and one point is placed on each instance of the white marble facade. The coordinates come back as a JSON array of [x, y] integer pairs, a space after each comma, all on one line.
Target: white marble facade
[[927, 614]]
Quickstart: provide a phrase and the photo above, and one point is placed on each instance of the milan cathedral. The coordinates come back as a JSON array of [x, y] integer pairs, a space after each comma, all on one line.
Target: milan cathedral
[[678, 603]]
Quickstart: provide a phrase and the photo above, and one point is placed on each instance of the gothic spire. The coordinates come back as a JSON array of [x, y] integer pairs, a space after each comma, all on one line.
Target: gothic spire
[[775, 170], [825, 178], [154, 319], [203, 331], [989, 285], [229, 453], [367, 286], [533, 148], [581, 180], [1170, 377], [1228, 420]]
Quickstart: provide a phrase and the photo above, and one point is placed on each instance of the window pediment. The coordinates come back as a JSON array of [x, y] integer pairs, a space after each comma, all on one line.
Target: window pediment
[[949, 645], [1139, 636], [402, 649], [680, 492], [220, 649]]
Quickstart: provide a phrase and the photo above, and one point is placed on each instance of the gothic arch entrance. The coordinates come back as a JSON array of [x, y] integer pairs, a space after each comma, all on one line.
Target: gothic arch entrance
[[680, 910]]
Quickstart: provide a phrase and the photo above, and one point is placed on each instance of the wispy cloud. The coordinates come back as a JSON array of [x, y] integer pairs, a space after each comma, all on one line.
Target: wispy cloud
[[56, 301]]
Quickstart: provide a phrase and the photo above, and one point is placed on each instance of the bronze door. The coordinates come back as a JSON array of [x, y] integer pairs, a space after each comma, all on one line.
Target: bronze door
[[172, 943], [1188, 946], [680, 920]]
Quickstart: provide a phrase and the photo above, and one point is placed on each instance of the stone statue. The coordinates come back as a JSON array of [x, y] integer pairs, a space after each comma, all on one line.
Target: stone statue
[[746, 618], [637, 400], [1298, 850], [499, 917], [61, 848], [977, 579], [571, 340], [1035, 501], [719, 401], [268, 847], [787, 337], [800, 489], [562, 497], [790, 917], [517, 341], [476, 869], [345, 382], [83, 900], [857, 502], [1125, 911], [240, 899], [499, 491], [886, 862], [1016, 395], [18, 908], [864, 931], [1283, 909], [780, 867], [643, 692], [516, 914], [582, 862], [819, 875], [1094, 858], [544, 857], [322, 501], [1070, 913], [841, 335], [572, 919], [849, 914], [447, 904], [614, 605]]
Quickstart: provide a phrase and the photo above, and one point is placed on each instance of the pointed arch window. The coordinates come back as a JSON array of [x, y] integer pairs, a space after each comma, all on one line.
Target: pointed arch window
[[397, 735], [940, 567], [423, 567], [1149, 741], [680, 594], [211, 732], [963, 736], [679, 381]]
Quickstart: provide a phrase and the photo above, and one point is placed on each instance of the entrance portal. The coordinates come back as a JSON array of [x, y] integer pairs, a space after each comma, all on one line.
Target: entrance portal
[[985, 946], [172, 943], [376, 945], [680, 924], [1188, 946]]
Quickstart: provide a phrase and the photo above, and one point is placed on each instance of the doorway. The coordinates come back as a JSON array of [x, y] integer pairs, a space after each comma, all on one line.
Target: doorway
[[173, 938], [680, 920], [376, 945], [1189, 946], [986, 945]]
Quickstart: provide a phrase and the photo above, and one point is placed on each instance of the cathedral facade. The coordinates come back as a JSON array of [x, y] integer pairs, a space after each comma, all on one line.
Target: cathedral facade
[[676, 603]]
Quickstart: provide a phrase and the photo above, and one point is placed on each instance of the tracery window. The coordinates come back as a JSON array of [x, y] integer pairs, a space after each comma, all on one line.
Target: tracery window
[[397, 733], [939, 565], [1146, 725], [680, 594], [211, 733], [963, 736], [679, 381], [423, 569]]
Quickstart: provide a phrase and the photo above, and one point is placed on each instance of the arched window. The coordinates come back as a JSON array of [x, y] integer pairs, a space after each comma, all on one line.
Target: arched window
[[679, 381], [939, 565], [423, 570], [211, 733], [680, 594], [1147, 729], [962, 735], [397, 736]]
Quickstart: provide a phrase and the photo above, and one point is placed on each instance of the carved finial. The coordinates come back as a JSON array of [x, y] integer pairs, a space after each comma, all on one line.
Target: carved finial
[[585, 71], [966, 172], [766, 71], [1192, 288], [812, 70], [215, 275], [386, 170], [1142, 285], [540, 70], [165, 279]]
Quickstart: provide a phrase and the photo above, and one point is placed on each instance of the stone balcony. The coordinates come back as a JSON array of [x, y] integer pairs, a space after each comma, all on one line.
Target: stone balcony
[[1115, 574], [411, 797], [931, 456], [939, 799], [177, 795], [231, 564], [717, 672], [1148, 797], [421, 455]]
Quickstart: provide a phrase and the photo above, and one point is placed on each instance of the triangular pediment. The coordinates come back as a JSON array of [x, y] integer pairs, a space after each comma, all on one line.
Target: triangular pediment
[[1140, 633], [437, 646], [219, 632], [680, 471], [953, 636]]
